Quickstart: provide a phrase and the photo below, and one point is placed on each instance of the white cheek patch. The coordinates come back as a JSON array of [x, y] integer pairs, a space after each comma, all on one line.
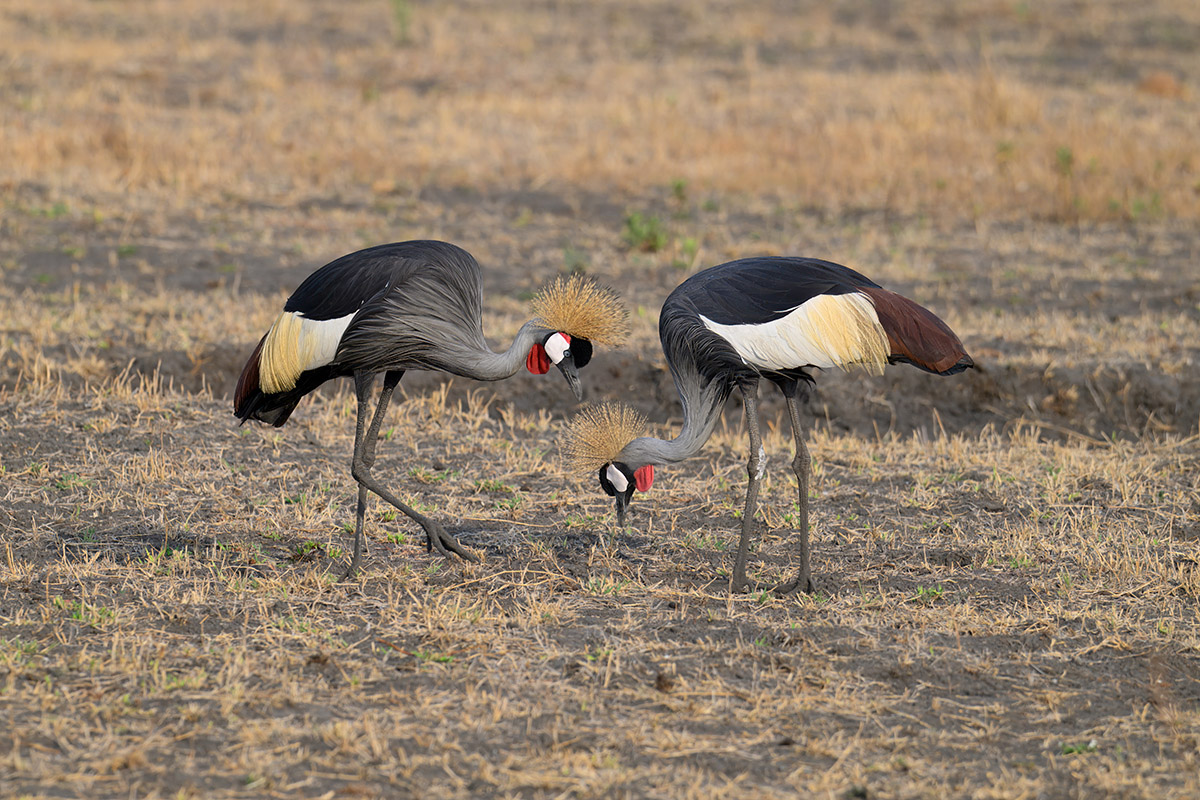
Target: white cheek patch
[[617, 478], [556, 346]]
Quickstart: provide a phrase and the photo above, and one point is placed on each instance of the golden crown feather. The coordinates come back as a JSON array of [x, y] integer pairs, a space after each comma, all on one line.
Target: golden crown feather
[[580, 307], [598, 433]]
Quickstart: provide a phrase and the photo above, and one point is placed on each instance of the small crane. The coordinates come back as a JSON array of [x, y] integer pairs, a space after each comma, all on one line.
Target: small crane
[[732, 324], [410, 305]]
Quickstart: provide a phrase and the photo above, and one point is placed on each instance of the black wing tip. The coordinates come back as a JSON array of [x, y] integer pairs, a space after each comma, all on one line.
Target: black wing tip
[[255, 407], [965, 363]]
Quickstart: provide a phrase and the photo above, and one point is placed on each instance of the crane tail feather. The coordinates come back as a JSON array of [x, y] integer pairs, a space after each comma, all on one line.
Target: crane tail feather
[[916, 335], [251, 402], [248, 381]]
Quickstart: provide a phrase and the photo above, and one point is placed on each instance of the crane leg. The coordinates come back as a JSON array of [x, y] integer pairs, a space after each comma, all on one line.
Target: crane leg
[[802, 466], [364, 458], [365, 439], [754, 467]]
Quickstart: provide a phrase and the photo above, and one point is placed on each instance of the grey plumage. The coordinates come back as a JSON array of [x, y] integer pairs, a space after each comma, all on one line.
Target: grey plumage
[[431, 318], [388, 309], [776, 318]]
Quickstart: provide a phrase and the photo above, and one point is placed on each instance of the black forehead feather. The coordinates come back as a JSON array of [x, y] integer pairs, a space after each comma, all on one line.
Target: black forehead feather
[[581, 351], [605, 483]]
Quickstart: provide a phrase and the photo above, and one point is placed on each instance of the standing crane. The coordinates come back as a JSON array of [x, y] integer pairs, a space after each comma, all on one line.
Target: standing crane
[[732, 324], [410, 305]]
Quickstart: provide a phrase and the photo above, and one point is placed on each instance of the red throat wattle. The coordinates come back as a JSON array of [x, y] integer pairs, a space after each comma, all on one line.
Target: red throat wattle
[[644, 478], [537, 361]]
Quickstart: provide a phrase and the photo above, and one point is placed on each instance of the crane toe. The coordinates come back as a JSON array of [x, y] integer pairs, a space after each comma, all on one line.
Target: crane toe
[[437, 538], [800, 583]]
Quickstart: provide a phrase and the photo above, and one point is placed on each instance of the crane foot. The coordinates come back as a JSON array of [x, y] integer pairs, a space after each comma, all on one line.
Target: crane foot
[[800, 583], [436, 538]]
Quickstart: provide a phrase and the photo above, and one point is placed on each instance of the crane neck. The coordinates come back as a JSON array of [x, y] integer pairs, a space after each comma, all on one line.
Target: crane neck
[[488, 366], [702, 406]]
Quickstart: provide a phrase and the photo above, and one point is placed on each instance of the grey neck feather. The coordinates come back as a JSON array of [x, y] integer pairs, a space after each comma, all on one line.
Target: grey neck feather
[[702, 406], [484, 365]]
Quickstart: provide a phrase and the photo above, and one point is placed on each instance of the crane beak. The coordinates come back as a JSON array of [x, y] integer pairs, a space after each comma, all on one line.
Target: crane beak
[[567, 367], [622, 500]]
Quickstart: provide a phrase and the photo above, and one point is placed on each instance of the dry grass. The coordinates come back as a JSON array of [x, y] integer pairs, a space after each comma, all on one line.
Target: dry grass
[[999, 615], [996, 112], [1008, 561]]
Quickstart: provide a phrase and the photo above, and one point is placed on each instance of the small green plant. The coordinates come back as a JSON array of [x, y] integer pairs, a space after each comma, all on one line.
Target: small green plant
[[91, 615], [70, 480], [510, 503], [1069, 749], [421, 505], [929, 594], [1140, 207], [426, 476], [679, 191], [306, 551], [575, 262], [55, 211], [293, 623], [1064, 583], [645, 233], [397, 538], [605, 586], [706, 542], [600, 654], [159, 557], [1064, 161], [18, 652], [688, 247], [579, 520], [402, 19]]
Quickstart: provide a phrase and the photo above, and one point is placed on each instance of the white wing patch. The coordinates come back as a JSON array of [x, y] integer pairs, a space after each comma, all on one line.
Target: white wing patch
[[829, 330], [295, 344]]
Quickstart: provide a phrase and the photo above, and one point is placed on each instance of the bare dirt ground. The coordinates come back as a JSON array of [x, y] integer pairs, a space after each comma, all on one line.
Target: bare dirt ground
[[1008, 561]]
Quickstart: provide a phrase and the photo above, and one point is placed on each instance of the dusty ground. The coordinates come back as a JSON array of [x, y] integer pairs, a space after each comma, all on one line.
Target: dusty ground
[[1008, 561]]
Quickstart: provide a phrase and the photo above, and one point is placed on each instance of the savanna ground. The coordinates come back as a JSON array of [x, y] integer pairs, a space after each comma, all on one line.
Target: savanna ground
[[1008, 560]]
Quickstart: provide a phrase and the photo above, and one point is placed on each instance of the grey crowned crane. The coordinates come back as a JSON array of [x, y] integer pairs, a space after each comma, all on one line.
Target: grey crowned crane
[[410, 305], [732, 324]]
